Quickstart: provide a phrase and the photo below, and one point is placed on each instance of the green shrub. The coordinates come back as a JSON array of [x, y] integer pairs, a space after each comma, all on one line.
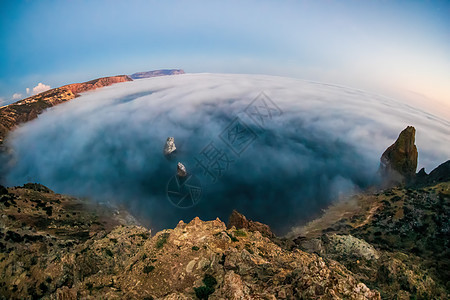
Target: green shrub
[[233, 238], [43, 287], [144, 235], [240, 232], [148, 269], [209, 280], [203, 292], [109, 253], [37, 187], [162, 240], [248, 247]]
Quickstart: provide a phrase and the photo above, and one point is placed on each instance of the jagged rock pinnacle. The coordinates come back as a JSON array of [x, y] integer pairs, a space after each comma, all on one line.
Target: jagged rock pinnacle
[[398, 163]]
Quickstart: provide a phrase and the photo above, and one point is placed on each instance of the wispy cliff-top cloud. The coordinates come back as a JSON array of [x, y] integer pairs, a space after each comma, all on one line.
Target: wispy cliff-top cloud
[[39, 88], [324, 142], [17, 96]]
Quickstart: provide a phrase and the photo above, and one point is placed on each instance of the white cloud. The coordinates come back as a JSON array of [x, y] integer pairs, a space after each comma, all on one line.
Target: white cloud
[[28, 91], [17, 96], [40, 88]]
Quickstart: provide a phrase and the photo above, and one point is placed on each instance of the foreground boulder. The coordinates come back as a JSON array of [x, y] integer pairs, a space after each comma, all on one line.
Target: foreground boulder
[[239, 221], [398, 163]]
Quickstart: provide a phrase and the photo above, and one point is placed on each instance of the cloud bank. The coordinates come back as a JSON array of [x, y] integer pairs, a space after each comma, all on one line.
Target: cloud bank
[[324, 141]]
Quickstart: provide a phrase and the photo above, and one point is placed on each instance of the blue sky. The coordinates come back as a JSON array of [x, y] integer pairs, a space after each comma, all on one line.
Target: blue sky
[[397, 48]]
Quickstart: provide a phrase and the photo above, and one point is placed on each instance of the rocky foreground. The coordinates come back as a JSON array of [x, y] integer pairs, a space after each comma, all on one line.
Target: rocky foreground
[[53, 248], [395, 241], [393, 244]]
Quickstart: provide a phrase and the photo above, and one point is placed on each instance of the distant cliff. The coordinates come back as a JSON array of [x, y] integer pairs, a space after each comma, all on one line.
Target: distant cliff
[[77, 88], [155, 73], [28, 109]]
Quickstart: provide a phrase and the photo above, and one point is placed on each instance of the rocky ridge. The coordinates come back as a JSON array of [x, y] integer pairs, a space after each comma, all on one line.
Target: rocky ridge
[[155, 73], [28, 109], [440, 174]]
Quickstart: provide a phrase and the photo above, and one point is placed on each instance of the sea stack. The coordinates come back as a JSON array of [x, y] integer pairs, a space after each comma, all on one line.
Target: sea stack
[[181, 170], [398, 163], [169, 147]]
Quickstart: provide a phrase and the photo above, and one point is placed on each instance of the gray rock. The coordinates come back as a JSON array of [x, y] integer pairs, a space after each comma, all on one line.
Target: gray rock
[[181, 170], [169, 147]]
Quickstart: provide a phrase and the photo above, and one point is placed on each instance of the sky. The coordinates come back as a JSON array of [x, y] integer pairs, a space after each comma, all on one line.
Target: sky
[[396, 48]]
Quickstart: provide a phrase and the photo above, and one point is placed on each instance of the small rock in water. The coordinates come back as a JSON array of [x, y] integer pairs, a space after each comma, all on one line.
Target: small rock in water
[[181, 170], [169, 147]]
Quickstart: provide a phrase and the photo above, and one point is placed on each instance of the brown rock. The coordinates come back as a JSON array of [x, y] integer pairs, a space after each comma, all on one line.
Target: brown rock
[[29, 108], [234, 288], [398, 163], [181, 170], [239, 221], [77, 88]]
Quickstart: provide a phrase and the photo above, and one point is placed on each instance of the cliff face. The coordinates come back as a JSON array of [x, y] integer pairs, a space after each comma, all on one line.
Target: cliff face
[[77, 88], [398, 163], [28, 109]]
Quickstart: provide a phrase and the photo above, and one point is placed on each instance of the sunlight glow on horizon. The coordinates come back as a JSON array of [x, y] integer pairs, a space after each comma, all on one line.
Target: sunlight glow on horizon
[[398, 48]]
